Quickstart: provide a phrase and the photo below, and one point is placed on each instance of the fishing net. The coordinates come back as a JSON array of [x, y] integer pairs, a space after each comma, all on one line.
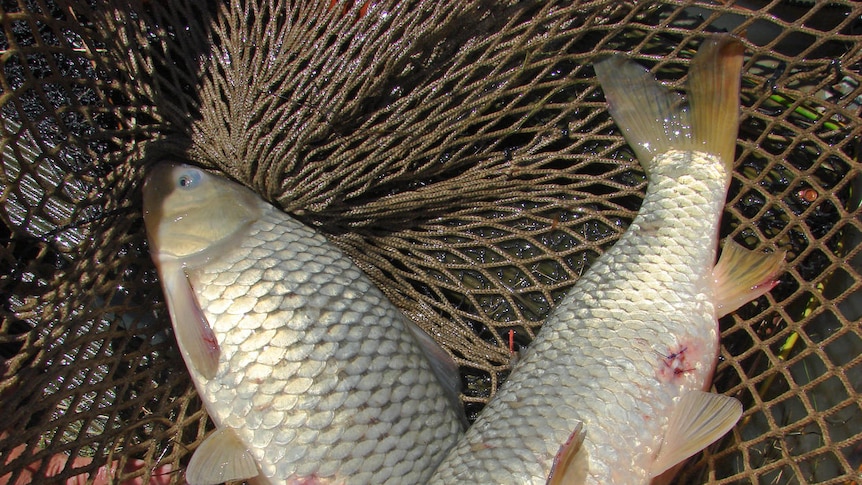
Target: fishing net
[[462, 154]]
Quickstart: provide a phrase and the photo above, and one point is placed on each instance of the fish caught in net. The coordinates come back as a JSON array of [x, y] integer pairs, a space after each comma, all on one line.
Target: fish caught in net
[[460, 152]]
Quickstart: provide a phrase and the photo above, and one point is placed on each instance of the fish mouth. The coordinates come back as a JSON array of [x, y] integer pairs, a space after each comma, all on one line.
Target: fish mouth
[[190, 215]]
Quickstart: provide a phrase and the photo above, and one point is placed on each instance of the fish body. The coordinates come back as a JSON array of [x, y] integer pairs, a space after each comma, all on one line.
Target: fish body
[[309, 373], [612, 389]]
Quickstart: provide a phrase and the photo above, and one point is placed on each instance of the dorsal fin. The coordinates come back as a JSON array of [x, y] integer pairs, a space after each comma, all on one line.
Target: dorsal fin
[[444, 368]]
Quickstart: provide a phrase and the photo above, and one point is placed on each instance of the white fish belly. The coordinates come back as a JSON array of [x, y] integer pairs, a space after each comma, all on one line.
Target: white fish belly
[[318, 374], [636, 332]]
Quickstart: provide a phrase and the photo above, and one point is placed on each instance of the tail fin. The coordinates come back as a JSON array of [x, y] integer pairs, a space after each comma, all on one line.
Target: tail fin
[[655, 120], [713, 91]]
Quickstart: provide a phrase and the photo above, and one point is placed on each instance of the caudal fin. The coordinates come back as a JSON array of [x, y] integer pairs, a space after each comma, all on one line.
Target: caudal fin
[[655, 120], [713, 91]]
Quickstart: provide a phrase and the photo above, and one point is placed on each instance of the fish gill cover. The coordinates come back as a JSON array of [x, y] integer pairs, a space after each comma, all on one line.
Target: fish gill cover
[[459, 151]]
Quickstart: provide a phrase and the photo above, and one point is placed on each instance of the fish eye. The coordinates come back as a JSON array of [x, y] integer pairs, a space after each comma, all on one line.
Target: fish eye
[[189, 179]]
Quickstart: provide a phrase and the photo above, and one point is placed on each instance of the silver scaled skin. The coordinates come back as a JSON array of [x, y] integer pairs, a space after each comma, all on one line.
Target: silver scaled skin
[[309, 373], [637, 335]]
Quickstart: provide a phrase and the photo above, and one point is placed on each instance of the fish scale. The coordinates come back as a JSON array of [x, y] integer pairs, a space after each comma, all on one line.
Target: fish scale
[[622, 301], [611, 391], [318, 376], [322, 339]]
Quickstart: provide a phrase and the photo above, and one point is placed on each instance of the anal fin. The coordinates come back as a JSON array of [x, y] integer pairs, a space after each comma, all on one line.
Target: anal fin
[[566, 469], [698, 419], [742, 275], [220, 458], [194, 334]]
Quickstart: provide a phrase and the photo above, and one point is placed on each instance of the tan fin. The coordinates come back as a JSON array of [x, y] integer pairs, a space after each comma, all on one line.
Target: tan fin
[[652, 118], [220, 458], [713, 95], [196, 338], [697, 420], [655, 120], [742, 275], [444, 367], [565, 470]]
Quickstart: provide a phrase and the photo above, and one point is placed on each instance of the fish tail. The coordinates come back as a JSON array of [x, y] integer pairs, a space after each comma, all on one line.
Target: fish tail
[[713, 91], [655, 120]]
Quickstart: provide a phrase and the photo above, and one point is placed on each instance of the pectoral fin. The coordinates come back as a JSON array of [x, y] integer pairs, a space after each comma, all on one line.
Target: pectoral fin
[[742, 275], [697, 420], [566, 469], [220, 458], [194, 334]]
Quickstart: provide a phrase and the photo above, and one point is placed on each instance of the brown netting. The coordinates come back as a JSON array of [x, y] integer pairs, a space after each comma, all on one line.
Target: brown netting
[[460, 151]]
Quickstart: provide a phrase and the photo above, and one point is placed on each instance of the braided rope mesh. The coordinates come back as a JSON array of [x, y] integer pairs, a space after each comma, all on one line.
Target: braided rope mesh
[[459, 151]]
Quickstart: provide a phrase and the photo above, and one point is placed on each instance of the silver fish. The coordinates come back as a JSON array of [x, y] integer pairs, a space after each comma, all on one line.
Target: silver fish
[[612, 391], [309, 373]]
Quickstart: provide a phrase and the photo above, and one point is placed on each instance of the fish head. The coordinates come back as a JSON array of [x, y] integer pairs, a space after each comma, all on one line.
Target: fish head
[[189, 213]]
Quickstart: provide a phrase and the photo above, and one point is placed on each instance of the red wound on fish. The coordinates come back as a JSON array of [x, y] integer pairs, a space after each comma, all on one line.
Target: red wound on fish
[[312, 480], [674, 364]]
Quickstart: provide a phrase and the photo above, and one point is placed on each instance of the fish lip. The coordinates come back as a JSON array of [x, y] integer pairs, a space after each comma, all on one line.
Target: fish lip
[[185, 261]]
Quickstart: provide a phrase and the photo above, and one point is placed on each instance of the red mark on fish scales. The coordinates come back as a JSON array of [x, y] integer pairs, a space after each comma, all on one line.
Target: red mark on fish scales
[[312, 480], [674, 364]]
